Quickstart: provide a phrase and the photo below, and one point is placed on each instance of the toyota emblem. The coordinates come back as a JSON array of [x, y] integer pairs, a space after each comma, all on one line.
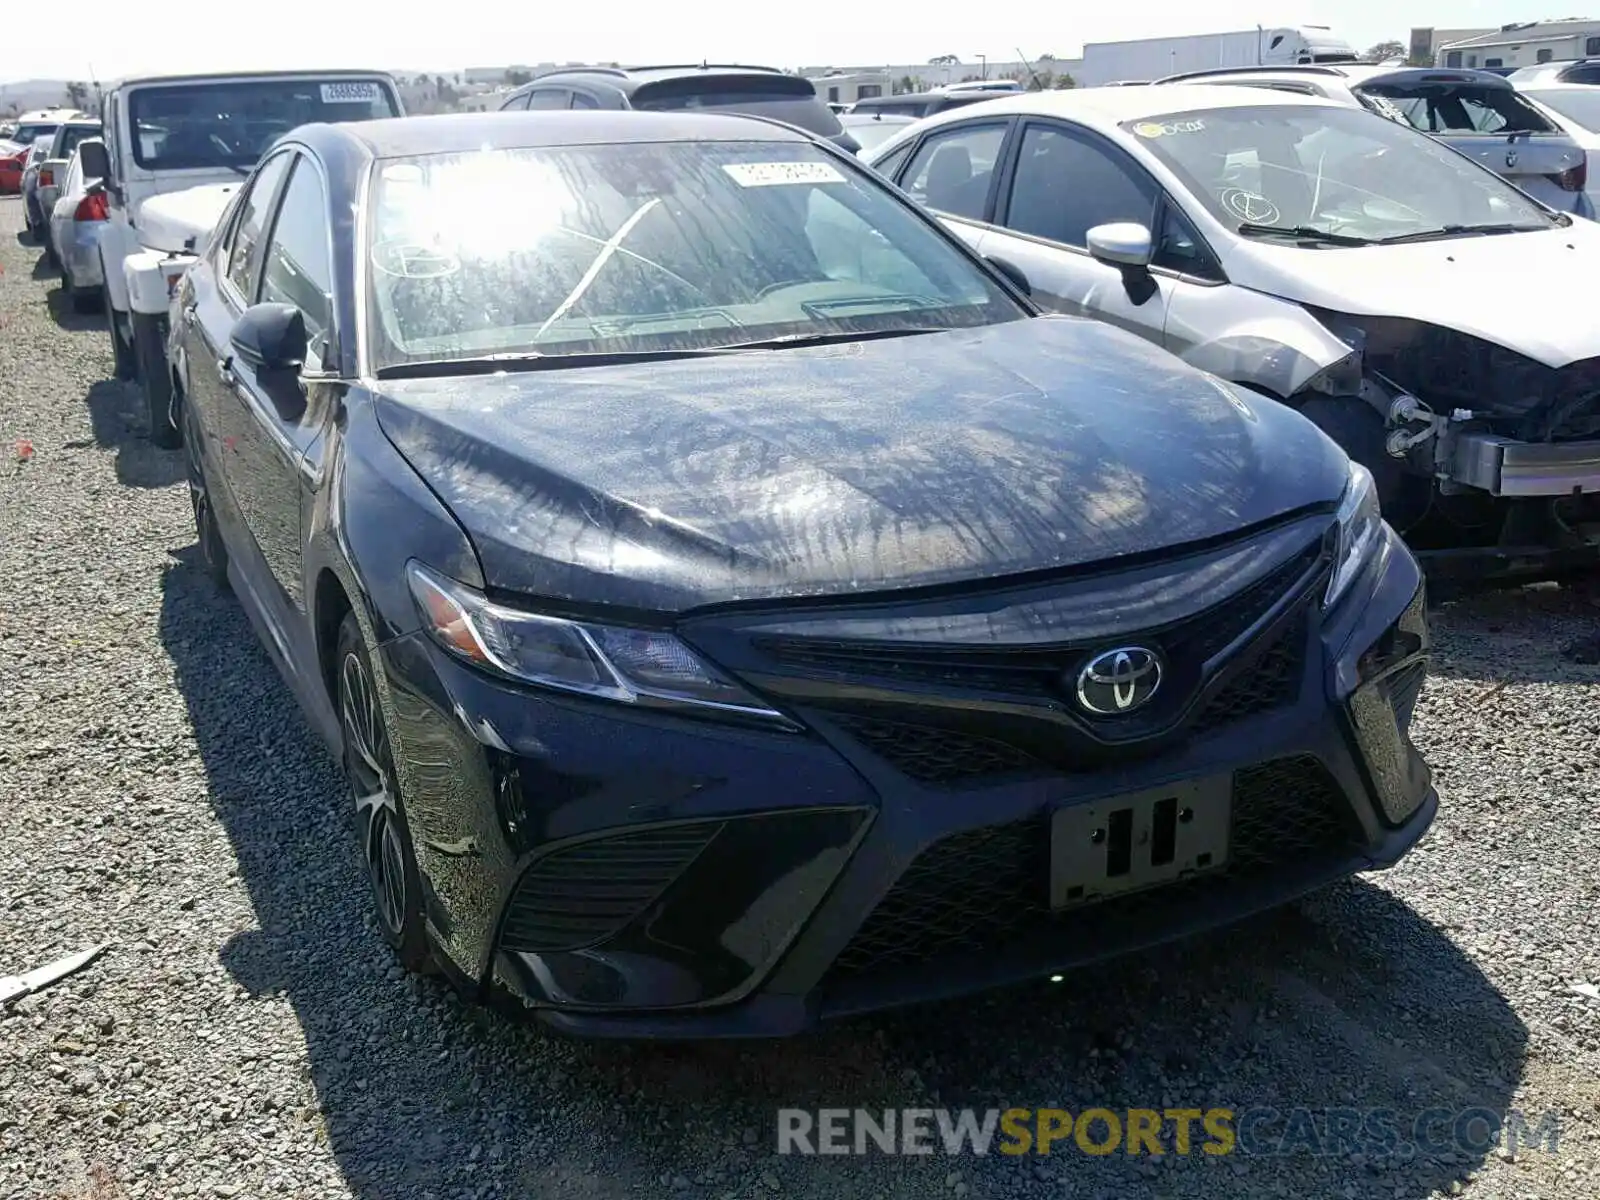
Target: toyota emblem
[[1118, 681]]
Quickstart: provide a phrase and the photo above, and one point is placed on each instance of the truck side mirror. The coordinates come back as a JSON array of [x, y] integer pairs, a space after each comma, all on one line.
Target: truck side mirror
[[95, 161]]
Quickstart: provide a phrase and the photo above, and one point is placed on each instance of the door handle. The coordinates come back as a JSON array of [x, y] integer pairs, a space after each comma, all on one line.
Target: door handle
[[225, 369], [190, 316]]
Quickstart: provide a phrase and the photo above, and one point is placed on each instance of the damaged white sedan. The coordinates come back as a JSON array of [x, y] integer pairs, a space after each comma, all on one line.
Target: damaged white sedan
[[1433, 319]]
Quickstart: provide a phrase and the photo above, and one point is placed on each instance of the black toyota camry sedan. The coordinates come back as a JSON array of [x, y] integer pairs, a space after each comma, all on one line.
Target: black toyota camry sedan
[[735, 606]]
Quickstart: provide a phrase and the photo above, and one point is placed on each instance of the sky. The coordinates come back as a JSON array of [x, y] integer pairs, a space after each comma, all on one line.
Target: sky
[[103, 39]]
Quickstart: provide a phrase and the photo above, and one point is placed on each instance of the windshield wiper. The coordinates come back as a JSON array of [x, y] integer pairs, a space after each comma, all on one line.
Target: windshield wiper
[[827, 339], [1450, 231], [1308, 233]]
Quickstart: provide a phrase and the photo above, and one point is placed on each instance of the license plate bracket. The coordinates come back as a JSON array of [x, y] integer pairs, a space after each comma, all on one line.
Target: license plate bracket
[[1139, 840]]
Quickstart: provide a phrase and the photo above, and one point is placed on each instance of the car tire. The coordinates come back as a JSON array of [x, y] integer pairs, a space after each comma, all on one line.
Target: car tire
[[208, 534], [155, 380], [124, 365], [381, 828]]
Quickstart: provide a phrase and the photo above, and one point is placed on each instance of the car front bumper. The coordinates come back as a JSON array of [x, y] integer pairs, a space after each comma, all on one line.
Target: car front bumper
[[637, 875]]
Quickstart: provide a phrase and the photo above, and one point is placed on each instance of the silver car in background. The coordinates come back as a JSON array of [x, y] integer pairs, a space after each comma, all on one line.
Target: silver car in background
[[1356, 270], [52, 169], [1476, 112], [872, 129], [1575, 107], [76, 221]]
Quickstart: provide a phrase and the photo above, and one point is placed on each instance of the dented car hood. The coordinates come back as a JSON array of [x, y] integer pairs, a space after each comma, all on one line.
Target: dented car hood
[[840, 470], [1528, 292]]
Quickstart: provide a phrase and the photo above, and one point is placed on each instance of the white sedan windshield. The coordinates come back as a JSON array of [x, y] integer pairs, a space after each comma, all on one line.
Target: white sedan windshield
[[1342, 171]]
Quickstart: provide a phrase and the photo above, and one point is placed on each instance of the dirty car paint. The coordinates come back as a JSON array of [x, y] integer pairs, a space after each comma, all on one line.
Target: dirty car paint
[[931, 459]]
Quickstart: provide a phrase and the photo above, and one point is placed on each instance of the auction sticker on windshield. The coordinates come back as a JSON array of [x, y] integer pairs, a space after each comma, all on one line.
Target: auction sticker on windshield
[[1155, 129], [770, 173], [349, 92]]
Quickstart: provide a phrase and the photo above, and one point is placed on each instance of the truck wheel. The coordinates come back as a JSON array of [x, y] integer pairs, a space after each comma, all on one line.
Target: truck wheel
[[150, 355], [121, 351]]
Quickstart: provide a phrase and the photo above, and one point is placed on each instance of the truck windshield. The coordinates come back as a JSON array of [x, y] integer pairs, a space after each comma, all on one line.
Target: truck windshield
[[231, 124]]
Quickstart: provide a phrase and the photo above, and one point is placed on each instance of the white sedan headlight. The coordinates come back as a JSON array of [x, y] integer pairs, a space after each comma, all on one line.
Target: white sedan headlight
[[1360, 530], [647, 667]]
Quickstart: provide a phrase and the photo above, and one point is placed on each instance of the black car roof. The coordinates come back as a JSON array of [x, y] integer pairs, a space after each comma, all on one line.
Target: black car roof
[[446, 133], [629, 79]]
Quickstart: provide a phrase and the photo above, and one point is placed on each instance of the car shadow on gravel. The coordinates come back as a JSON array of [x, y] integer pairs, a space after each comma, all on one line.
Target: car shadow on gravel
[[117, 418], [1516, 636], [62, 312], [1351, 1002]]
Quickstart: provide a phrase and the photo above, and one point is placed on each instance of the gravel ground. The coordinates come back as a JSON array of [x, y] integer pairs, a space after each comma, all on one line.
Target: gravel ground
[[247, 1033]]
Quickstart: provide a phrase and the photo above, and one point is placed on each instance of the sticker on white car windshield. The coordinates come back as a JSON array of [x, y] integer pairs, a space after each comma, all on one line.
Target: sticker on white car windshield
[[1155, 129], [1250, 206], [766, 174], [349, 92]]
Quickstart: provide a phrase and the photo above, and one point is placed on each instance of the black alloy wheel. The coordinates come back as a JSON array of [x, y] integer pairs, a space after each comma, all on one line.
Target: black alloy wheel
[[381, 826]]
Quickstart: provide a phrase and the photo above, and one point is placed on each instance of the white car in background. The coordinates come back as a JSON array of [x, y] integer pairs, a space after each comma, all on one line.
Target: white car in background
[[76, 219], [1341, 262], [1575, 107]]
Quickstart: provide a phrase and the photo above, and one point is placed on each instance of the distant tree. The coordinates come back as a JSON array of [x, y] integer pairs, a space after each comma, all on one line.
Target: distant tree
[[1047, 58], [77, 94], [1063, 81], [517, 78], [458, 79], [1386, 50], [906, 84], [944, 60]]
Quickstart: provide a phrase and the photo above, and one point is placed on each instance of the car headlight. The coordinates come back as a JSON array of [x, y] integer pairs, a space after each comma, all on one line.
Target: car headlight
[[1360, 529], [646, 667]]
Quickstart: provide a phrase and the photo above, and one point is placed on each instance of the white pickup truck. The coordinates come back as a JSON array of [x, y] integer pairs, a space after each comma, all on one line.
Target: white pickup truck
[[176, 149]]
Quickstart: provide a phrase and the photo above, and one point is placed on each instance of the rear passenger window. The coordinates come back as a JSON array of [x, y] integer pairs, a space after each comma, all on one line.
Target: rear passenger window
[[244, 261], [515, 104], [583, 100], [550, 98], [1065, 185], [952, 169]]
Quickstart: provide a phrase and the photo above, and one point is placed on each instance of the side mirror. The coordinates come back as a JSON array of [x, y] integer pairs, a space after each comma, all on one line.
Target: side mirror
[[270, 338], [1012, 272], [1121, 244], [95, 162]]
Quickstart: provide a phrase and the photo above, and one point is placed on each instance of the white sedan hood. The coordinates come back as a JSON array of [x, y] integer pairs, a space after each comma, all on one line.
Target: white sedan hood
[[1528, 292], [166, 222]]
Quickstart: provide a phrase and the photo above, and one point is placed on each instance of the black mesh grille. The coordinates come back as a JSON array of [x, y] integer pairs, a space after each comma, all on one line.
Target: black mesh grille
[[1272, 681], [586, 893], [932, 755], [988, 888]]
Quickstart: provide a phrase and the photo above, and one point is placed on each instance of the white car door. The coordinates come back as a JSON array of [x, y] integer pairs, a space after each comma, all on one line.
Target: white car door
[[1065, 180]]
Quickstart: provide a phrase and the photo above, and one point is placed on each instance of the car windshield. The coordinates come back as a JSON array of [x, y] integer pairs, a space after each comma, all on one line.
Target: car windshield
[[652, 247], [1580, 105], [872, 134], [1341, 171], [782, 97], [27, 135], [232, 124], [71, 135]]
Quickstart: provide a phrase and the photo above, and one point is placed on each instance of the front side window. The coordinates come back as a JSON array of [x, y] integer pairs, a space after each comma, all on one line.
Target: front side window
[[244, 259], [651, 247], [297, 270], [1065, 185], [222, 125], [953, 169], [1335, 170]]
